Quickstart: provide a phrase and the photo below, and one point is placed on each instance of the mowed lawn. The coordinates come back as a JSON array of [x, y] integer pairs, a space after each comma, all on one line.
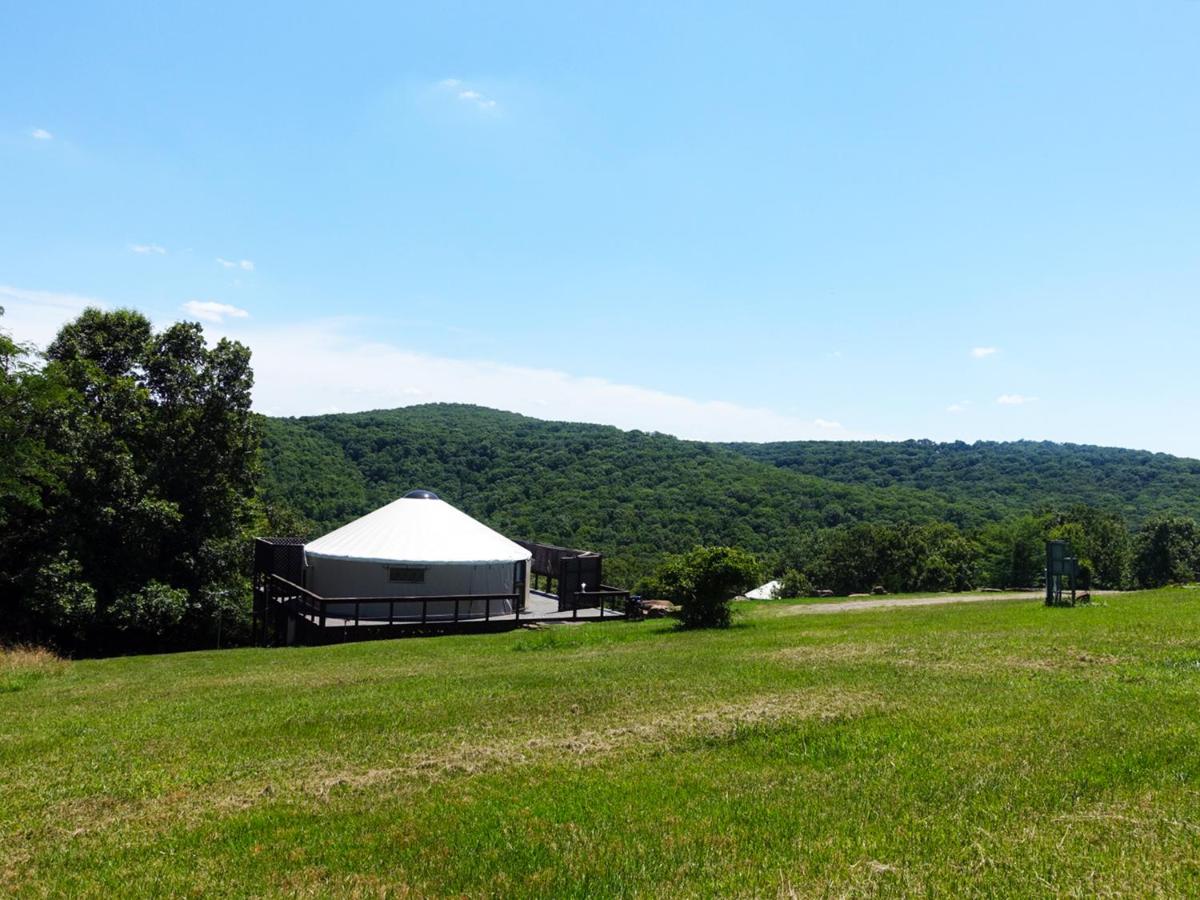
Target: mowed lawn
[[988, 748]]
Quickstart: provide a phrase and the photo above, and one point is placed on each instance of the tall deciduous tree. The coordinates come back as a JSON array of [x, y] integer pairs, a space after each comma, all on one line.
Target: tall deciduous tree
[[1168, 550], [146, 520]]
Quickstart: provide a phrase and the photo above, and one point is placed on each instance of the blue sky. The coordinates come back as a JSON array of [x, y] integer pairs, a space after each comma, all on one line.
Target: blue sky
[[771, 221]]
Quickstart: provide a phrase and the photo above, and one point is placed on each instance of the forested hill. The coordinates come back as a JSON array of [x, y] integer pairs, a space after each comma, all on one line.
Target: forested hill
[[986, 479], [636, 496], [629, 494]]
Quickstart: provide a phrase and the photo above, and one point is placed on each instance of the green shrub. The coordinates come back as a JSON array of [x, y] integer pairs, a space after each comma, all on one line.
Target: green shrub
[[61, 603], [153, 611], [703, 581], [793, 584]]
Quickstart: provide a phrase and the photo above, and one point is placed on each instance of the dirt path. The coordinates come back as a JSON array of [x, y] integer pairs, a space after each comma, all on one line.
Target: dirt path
[[811, 609]]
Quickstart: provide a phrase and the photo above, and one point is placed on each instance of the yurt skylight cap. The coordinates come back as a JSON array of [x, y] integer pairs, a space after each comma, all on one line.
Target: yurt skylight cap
[[421, 494]]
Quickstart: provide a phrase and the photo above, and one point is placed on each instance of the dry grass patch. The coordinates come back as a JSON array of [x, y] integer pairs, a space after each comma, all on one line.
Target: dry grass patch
[[837, 653], [593, 746], [969, 661], [21, 666]]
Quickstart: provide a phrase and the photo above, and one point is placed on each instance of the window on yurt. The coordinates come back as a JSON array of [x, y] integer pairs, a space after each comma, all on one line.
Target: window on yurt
[[406, 574]]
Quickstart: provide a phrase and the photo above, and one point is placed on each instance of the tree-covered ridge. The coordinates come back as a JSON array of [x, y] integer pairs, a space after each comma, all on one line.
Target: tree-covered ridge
[[632, 495], [988, 479], [637, 496]]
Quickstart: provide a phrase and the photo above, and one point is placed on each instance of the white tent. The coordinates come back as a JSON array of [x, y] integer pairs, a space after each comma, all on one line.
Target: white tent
[[765, 592], [417, 546]]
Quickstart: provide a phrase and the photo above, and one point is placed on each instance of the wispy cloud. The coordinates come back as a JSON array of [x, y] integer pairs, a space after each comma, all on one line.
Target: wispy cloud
[[244, 264], [326, 365], [1015, 399], [467, 94], [959, 407], [984, 352], [212, 311], [148, 248], [41, 134]]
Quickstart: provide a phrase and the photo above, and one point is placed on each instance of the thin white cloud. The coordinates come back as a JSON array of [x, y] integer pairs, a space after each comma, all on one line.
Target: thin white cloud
[[148, 248], [41, 134], [212, 311], [244, 264], [984, 352], [36, 316], [323, 366], [959, 407], [467, 94], [1015, 399]]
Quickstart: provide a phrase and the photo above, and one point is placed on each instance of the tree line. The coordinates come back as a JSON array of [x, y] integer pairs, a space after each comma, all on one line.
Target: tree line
[[1011, 553]]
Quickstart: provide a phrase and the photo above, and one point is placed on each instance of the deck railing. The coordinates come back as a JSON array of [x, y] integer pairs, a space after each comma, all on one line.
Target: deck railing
[[334, 612], [324, 611], [613, 599]]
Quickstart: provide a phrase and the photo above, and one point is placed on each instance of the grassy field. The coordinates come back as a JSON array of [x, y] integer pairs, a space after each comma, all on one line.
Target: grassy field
[[998, 748]]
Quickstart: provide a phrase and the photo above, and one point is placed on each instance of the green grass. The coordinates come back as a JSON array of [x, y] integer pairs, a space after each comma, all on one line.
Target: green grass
[[899, 595], [976, 749]]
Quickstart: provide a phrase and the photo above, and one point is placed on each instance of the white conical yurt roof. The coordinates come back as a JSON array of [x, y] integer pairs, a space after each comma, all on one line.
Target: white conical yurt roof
[[763, 592], [422, 530]]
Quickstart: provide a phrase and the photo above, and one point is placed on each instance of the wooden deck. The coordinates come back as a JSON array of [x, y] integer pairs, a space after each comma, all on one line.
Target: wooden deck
[[293, 615], [287, 613]]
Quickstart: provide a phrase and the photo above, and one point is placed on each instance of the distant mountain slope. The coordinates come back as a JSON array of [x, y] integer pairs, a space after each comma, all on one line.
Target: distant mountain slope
[[636, 496], [988, 478], [629, 494]]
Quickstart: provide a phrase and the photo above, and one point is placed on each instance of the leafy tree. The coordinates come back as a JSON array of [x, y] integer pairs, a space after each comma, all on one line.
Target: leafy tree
[[704, 580], [30, 397], [153, 454], [152, 612], [1014, 551], [1168, 551], [61, 603], [1101, 541], [793, 583]]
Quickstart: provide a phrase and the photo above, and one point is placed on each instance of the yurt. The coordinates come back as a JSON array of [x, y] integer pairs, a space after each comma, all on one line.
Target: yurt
[[763, 592], [418, 546]]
